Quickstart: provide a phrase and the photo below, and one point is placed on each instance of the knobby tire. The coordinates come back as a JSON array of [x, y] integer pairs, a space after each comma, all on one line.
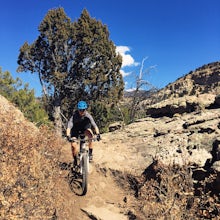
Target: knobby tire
[[84, 173]]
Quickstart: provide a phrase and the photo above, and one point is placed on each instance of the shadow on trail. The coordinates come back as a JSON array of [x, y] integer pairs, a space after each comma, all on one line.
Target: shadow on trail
[[74, 178]]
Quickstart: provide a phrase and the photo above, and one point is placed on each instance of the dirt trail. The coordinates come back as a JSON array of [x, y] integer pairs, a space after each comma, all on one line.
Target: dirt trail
[[126, 151], [103, 196], [105, 199]]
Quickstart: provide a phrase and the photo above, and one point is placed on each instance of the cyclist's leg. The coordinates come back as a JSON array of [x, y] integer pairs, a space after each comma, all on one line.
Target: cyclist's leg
[[88, 132], [74, 147]]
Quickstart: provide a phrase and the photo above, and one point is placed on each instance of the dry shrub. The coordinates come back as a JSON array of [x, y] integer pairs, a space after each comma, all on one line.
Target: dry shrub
[[166, 191], [28, 161], [169, 192]]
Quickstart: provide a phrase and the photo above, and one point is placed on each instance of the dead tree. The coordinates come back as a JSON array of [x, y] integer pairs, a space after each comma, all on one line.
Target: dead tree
[[139, 96]]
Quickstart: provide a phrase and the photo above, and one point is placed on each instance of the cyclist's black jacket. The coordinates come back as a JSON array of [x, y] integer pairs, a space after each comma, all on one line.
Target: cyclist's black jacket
[[81, 123]]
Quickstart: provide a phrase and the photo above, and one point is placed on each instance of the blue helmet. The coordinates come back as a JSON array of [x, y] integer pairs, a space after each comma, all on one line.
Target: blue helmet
[[82, 105]]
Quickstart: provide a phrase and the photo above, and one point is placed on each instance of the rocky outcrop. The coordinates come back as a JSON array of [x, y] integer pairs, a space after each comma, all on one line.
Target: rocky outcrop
[[216, 103], [195, 91], [203, 80], [182, 105], [170, 110], [115, 126]]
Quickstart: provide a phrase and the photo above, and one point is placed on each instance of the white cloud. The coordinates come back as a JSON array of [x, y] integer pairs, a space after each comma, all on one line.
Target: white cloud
[[130, 90], [127, 59], [124, 74], [129, 87]]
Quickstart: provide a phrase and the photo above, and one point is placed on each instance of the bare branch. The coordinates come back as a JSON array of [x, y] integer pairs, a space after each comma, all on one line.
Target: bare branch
[[142, 66]]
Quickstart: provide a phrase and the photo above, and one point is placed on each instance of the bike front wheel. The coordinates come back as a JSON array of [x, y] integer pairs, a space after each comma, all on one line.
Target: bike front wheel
[[85, 172]]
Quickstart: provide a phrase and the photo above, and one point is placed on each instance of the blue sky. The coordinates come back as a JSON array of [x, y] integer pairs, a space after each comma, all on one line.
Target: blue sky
[[175, 36]]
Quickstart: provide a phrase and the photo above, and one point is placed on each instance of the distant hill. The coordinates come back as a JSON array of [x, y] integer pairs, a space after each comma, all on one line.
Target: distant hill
[[141, 93], [194, 91], [203, 80]]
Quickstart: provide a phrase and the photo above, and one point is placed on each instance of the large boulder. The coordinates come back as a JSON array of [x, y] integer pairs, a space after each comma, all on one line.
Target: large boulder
[[181, 105]]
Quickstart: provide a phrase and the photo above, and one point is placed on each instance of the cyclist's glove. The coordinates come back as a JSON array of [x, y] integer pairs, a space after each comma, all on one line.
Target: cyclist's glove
[[98, 137], [68, 138]]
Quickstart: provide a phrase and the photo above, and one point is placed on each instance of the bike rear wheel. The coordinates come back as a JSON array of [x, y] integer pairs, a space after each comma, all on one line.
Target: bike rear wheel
[[84, 167]]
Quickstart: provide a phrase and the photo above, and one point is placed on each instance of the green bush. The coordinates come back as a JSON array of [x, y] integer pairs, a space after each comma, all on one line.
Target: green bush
[[23, 98]]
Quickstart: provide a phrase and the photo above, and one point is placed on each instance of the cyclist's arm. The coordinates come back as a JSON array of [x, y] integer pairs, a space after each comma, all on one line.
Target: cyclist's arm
[[68, 132], [93, 123], [69, 126]]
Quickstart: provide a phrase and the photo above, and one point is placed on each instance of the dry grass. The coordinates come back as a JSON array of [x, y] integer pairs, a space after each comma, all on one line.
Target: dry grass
[[28, 161]]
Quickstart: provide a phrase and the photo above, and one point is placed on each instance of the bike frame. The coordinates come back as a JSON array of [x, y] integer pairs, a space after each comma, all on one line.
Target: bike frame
[[83, 161], [83, 152]]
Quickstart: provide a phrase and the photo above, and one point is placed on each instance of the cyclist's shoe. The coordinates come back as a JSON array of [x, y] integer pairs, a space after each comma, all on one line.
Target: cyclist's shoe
[[75, 162], [98, 137], [90, 157]]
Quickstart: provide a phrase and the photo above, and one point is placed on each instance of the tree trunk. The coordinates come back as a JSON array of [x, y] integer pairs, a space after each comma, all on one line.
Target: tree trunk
[[57, 117]]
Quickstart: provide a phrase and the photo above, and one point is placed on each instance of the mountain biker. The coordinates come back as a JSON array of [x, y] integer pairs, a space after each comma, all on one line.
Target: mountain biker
[[81, 122]]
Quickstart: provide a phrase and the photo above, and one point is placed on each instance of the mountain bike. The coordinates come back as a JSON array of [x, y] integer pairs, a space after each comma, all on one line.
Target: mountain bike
[[82, 168]]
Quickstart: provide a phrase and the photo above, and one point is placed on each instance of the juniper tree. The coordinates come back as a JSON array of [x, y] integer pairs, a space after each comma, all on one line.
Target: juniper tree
[[51, 56], [96, 64]]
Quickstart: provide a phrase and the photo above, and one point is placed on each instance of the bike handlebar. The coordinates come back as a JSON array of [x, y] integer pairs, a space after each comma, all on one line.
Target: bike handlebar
[[74, 139]]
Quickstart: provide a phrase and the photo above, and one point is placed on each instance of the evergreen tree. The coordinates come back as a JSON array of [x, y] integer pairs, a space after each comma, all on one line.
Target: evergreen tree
[[96, 64], [8, 85], [51, 56], [23, 98]]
